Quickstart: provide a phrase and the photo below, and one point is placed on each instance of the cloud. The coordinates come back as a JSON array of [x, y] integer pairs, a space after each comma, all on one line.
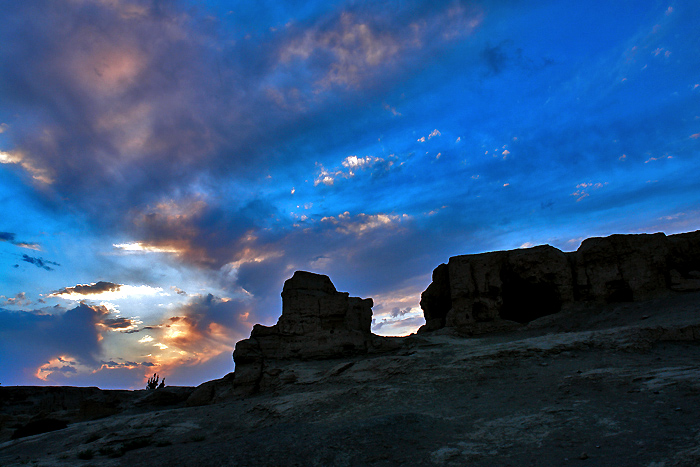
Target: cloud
[[432, 134], [66, 370], [202, 329], [18, 300], [659, 158], [349, 48], [396, 312], [583, 189], [352, 164], [11, 238], [397, 327], [62, 365], [138, 105], [500, 58], [149, 116], [393, 110], [30, 339], [104, 291], [363, 223], [120, 324], [495, 57], [145, 339], [40, 174], [39, 262], [204, 234], [144, 248], [7, 237], [67, 347], [89, 289]]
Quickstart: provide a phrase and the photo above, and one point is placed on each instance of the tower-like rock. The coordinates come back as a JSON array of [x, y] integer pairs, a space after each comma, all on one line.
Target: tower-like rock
[[317, 322]]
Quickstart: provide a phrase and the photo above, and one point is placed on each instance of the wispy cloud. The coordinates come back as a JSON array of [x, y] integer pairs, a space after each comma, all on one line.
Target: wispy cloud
[[40, 262], [658, 158], [11, 238], [583, 190], [363, 223], [38, 173]]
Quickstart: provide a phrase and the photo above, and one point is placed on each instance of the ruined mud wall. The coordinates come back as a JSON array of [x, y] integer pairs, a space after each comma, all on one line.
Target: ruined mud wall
[[493, 291], [317, 322]]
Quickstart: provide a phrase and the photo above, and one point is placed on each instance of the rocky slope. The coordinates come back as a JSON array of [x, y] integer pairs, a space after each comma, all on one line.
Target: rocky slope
[[604, 380]]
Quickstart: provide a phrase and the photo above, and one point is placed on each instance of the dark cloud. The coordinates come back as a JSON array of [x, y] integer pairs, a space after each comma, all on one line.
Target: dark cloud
[[396, 312], [203, 313], [119, 324], [202, 233], [30, 339], [495, 57], [89, 289], [7, 237], [498, 58], [39, 262]]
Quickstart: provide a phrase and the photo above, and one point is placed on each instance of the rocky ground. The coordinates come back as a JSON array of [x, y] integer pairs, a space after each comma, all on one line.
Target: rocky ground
[[618, 385]]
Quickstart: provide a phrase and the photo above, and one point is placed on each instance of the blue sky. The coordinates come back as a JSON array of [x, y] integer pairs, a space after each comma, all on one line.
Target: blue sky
[[166, 165]]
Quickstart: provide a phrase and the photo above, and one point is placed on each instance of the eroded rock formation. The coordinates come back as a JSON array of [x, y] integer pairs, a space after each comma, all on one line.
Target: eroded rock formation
[[495, 291], [317, 322]]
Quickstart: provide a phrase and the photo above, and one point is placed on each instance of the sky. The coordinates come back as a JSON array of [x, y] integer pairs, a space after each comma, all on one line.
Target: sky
[[166, 165]]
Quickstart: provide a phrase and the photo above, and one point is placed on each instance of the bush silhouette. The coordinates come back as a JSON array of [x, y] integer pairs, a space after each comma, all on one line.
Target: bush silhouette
[[153, 382]]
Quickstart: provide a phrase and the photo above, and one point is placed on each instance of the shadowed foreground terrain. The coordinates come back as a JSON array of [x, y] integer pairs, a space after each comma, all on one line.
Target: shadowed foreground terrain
[[614, 383]]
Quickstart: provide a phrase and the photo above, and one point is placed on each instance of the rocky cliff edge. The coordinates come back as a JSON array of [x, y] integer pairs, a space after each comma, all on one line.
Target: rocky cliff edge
[[480, 293]]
